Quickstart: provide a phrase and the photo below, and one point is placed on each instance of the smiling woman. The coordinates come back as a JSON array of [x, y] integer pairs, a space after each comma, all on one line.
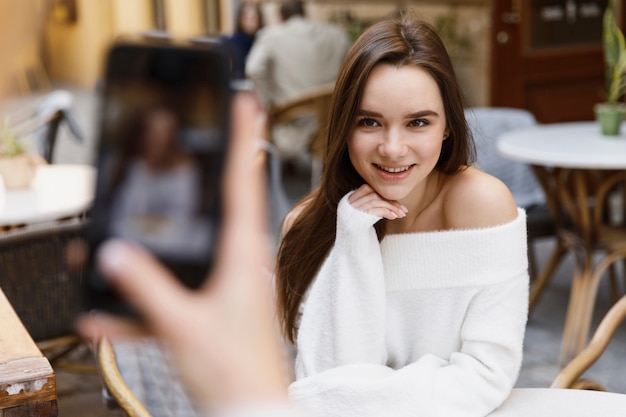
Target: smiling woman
[[399, 132], [403, 278]]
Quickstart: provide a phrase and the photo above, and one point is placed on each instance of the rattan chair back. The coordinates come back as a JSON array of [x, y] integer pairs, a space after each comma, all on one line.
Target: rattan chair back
[[45, 293]]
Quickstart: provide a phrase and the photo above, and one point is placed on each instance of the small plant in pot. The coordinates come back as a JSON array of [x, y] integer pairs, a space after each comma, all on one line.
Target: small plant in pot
[[611, 113], [17, 167]]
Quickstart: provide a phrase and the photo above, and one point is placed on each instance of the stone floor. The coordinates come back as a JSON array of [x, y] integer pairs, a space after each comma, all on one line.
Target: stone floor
[[80, 395]]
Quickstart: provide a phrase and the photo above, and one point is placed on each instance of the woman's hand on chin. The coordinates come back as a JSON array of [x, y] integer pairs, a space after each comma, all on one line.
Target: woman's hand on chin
[[369, 201]]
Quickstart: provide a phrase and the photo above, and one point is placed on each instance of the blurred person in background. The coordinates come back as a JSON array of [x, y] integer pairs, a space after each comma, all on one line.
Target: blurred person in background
[[249, 22], [290, 58]]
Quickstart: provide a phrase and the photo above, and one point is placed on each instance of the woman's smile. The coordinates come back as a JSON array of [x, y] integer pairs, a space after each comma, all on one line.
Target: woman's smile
[[390, 173], [392, 169]]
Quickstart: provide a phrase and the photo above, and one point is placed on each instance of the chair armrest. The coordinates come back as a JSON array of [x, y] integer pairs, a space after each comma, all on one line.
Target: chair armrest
[[600, 340], [114, 382]]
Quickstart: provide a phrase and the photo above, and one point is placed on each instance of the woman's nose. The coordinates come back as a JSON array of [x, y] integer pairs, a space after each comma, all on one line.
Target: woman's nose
[[392, 144]]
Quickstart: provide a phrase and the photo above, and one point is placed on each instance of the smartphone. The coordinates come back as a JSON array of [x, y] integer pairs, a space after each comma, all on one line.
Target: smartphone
[[163, 135]]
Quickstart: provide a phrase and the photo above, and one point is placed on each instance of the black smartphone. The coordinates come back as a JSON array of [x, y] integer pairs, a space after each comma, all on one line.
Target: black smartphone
[[163, 135]]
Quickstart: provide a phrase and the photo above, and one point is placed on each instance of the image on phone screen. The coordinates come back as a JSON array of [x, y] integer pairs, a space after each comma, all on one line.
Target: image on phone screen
[[162, 143]]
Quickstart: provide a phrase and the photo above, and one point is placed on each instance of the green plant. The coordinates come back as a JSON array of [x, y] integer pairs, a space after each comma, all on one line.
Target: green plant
[[9, 141], [614, 55]]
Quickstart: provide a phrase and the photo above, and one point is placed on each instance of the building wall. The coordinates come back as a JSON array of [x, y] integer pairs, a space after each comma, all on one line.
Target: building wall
[[184, 18], [463, 25], [21, 29], [76, 51]]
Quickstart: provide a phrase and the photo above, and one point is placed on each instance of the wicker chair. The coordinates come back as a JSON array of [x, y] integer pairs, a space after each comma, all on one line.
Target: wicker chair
[[139, 379], [316, 102], [570, 375], [45, 293]]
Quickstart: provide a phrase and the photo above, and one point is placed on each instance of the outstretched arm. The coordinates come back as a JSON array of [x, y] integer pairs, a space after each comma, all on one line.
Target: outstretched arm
[[223, 337]]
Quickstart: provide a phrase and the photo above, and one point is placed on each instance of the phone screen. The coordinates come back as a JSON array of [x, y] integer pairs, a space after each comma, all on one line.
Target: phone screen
[[163, 137]]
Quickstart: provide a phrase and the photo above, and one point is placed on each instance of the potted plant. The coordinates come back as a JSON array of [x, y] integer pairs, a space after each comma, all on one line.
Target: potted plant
[[611, 113], [17, 167]]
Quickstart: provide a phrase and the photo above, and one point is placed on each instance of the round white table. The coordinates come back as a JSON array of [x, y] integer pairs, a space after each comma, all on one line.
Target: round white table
[[57, 191], [565, 145], [573, 162]]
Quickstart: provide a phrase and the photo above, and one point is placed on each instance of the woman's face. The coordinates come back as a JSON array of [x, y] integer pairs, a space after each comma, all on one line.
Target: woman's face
[[159, 135], [250, 21], [399, 131]]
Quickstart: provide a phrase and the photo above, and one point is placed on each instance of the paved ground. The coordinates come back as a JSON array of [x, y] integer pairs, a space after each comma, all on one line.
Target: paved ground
[[80, 395]]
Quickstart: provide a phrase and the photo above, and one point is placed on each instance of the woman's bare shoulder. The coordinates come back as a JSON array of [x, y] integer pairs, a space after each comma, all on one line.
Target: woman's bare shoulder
[[476, 199]]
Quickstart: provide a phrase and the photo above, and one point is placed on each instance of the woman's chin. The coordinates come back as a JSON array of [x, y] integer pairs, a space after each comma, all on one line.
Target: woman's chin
[[390, 195]]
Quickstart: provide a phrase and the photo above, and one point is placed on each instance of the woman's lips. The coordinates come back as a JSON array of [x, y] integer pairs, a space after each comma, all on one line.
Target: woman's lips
[[393, 173]]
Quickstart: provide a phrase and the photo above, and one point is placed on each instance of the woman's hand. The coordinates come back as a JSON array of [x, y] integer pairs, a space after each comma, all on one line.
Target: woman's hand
[[369, 201], [223, 337]]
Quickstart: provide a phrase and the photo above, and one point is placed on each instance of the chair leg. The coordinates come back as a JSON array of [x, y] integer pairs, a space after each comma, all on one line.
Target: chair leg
[[576, 307], [588, 384], [57, 351], [583, 297]]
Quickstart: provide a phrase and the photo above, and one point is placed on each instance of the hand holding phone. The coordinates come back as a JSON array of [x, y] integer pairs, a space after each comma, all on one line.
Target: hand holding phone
[[162, 143]]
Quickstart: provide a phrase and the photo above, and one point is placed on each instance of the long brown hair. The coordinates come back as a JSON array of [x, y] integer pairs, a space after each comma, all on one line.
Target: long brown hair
[[309, 240]]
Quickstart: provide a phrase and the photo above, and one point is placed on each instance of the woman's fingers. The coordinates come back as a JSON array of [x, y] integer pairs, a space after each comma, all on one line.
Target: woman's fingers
[[367, 200]]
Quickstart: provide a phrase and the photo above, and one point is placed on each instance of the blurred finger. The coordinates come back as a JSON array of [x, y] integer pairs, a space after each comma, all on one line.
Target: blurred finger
[[142, 280], [93, 326], [244, 224], [244, 177]]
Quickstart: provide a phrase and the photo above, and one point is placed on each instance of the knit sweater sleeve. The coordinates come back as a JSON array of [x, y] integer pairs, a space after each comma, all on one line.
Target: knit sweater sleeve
[[342, 369], [335, 329]]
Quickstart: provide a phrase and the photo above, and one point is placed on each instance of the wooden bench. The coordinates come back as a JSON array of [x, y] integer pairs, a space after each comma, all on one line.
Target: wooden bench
[[27, 381]]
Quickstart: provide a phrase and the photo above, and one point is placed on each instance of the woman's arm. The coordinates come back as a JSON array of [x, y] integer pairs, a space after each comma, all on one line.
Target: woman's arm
[[335, 329]]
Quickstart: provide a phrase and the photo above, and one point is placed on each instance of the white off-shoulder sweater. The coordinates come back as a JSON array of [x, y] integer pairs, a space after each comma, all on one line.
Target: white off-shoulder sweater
[[420, 324]]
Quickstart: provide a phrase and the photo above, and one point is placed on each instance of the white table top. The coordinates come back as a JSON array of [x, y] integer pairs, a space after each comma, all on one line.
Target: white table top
[[565, 145], [57, 191], [554, 402]]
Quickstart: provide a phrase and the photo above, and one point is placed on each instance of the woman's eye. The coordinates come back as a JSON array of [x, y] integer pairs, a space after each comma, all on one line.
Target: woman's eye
[[418, 123], [367, 122]]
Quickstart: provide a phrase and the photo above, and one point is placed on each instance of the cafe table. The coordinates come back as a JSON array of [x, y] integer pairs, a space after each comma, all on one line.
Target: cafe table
[[58, 191], [27, 380], [575, 165]]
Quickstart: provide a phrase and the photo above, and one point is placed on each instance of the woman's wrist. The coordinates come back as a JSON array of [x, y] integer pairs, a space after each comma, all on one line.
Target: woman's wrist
[[352, 217]]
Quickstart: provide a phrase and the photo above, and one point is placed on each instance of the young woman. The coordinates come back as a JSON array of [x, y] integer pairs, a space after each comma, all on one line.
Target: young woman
[[249, 21], [403, 279]]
